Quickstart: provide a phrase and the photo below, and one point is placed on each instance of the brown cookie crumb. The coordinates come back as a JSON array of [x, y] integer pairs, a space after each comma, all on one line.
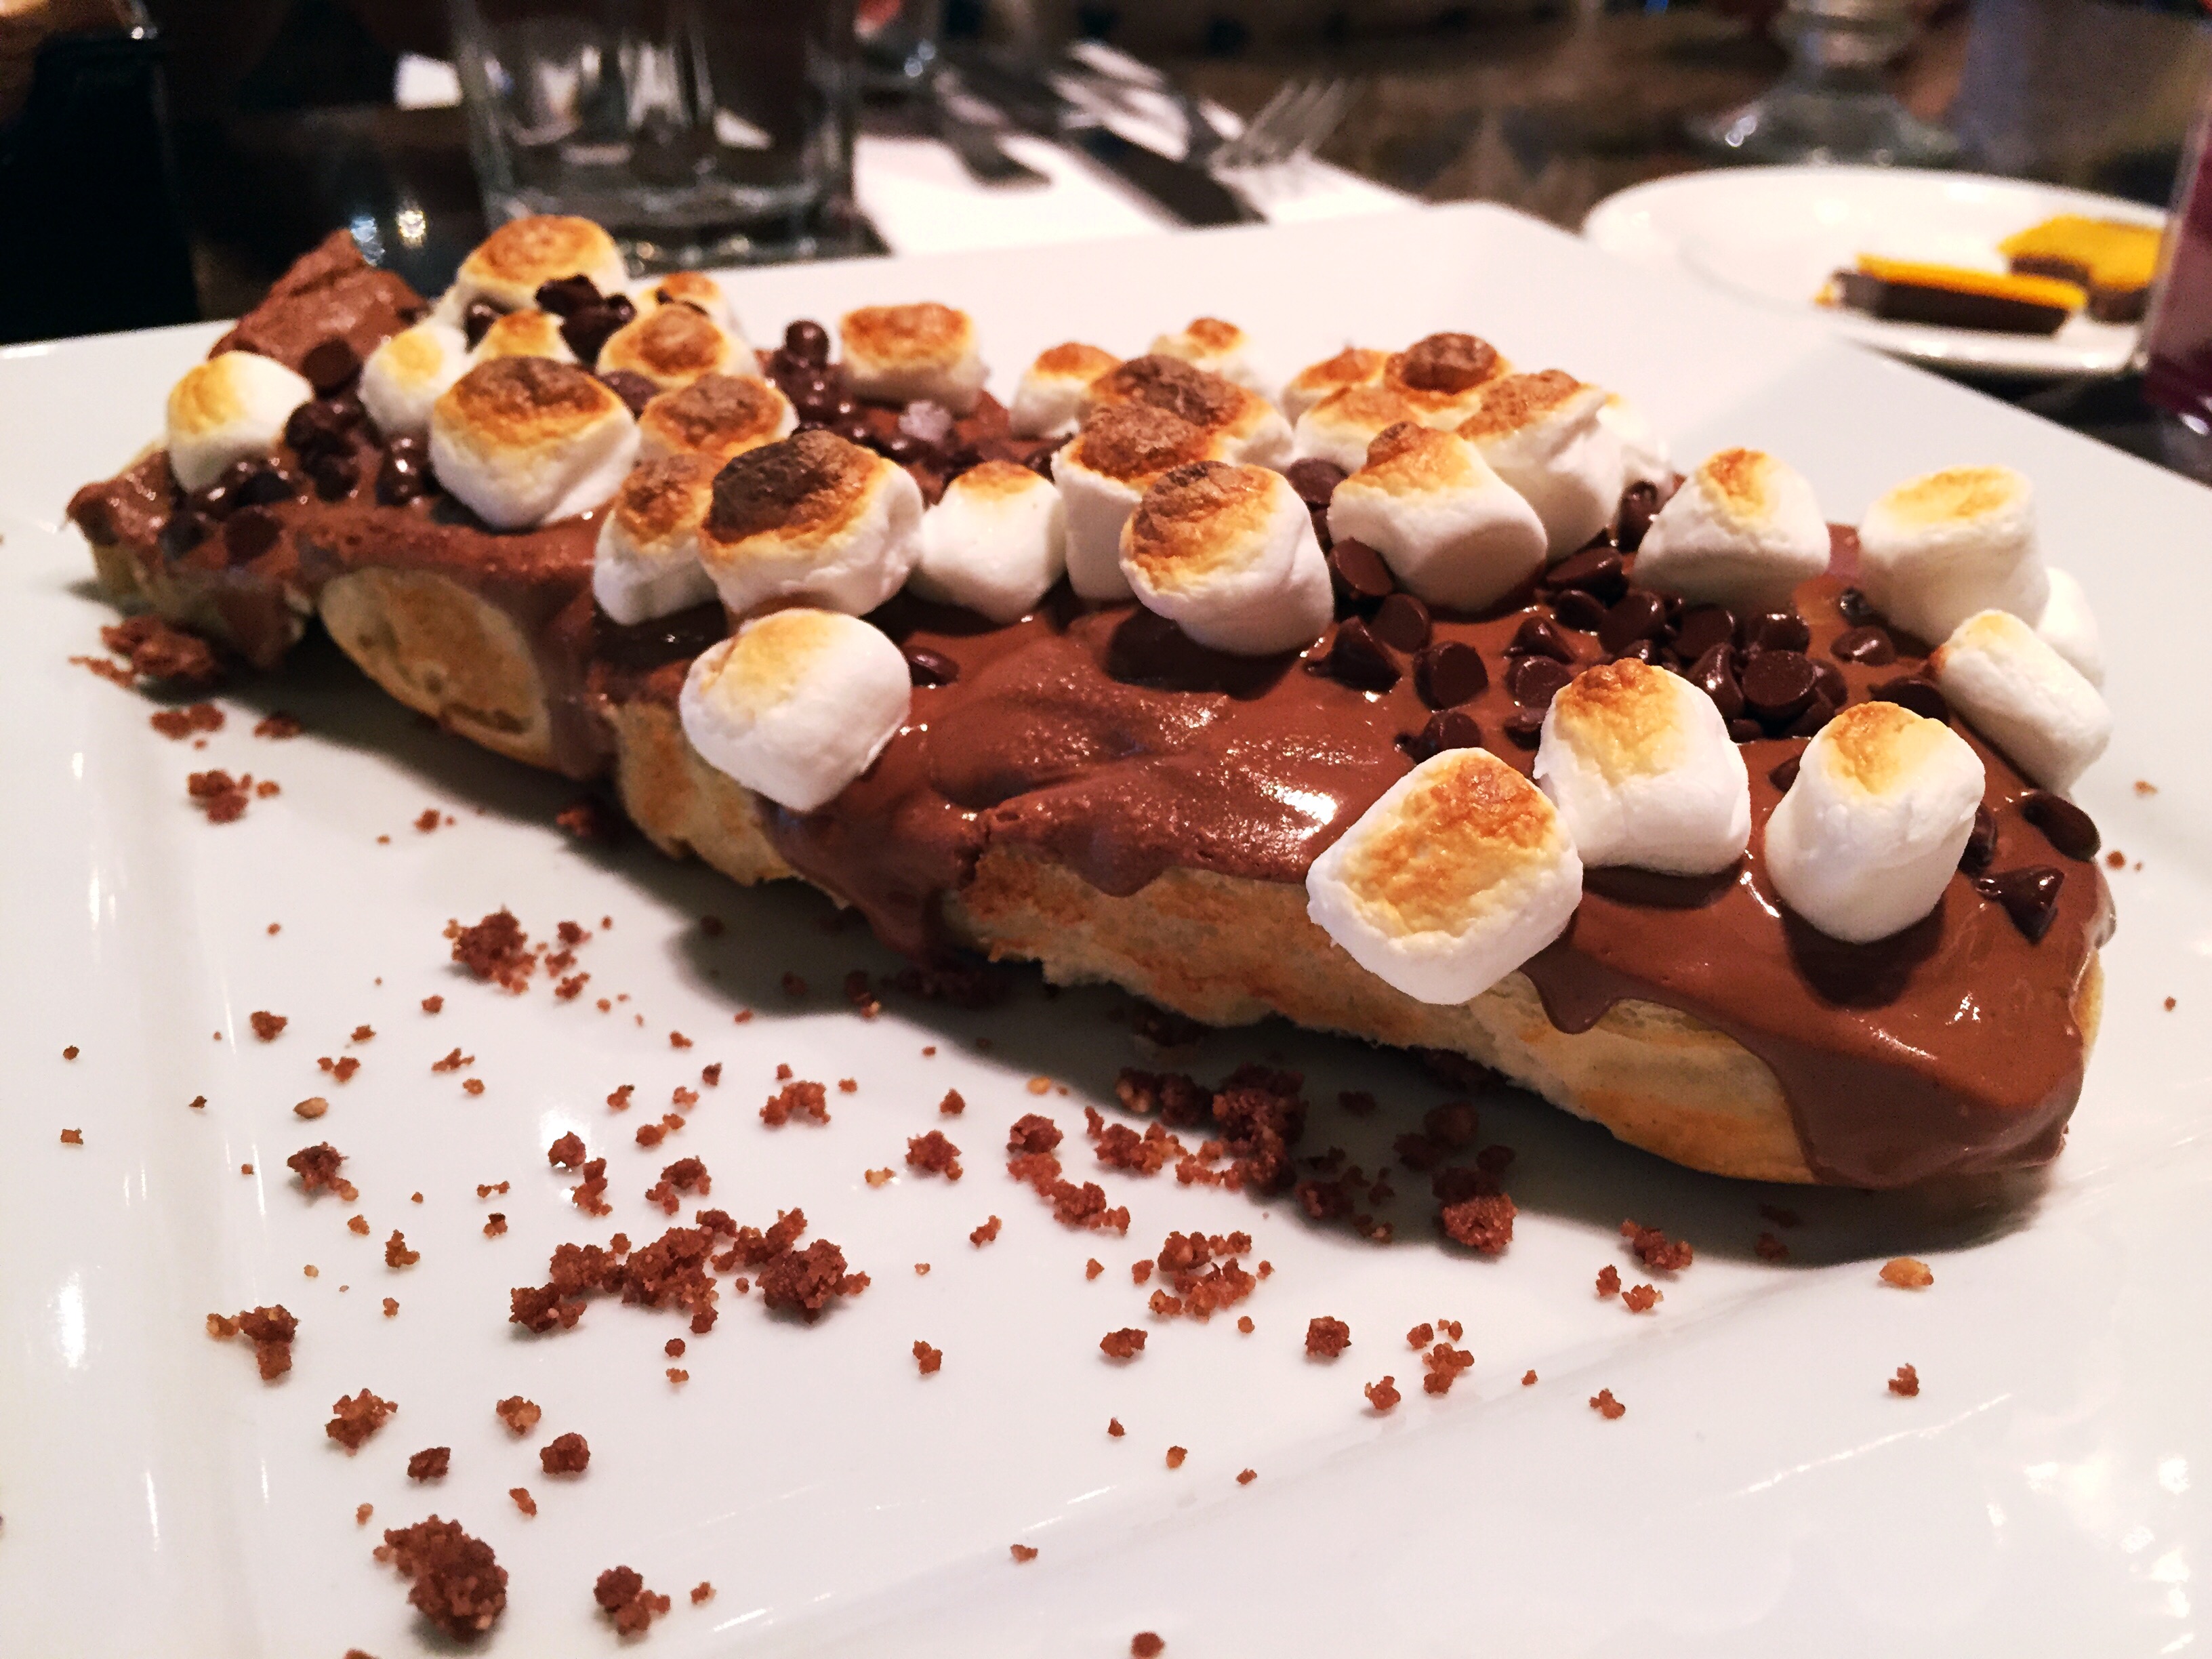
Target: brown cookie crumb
[[1771, 1249], [391, 1307], [621, 1593], [1906, 1382], [1443, 1364], [1146, 1645], [519, 1415], [316, 1166], [1609, 1280], [702, 1591], [1113, 1429], [358, 1417], [453, 1060], [1022, 1552], [1093, 1267], [222, 798], [496, 950], [677, 1040], [459, 1585], [618, 1100], [566, 1453], [278, 726], [396, 1253], [1529, 1379], [523, 1500], [984, 1234], [1641, 1298], [932, 1154], [1124, 1344], [1176, 1455], [1906, 1274], [1326, 1337], [880, 1177], [432, 1005], [952, 1105], [1482, 1221], [72, 1137], [266, 1025], [430, 1463], [1382, 1395], [1246, 1477], [929, 1359], [802, 1099], [271, 1330], [1655, 1249], [495, 1225], [361, 1512], [684, 1176], [1421, 1335], [1607, 1406]]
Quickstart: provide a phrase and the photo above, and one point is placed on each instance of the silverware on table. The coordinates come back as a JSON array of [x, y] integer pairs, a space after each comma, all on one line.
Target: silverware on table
[[962, 124], [1294, 123]]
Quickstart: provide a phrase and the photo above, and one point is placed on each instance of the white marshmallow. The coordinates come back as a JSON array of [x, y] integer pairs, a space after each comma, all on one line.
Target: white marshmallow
[[524, 334], [1228, 554], [227, 408], [690, 287], [646, 561], [673, 345], [1742, 531], [1217, 347], [899, 354], [2069, 626], [1055, 389], [812, 518], [717, 415], [1456, 877], [1250, 429], [1644, 458], [1353, 366], [2023, 696], [1640, 765], [1938, 548], [409, 373], [1104, 470], [995, 542], [510, 265], [1452, 532], [1338, 429], [1443, 376], [797, 705], [1540, 433], [1865, 841], [521, 442]]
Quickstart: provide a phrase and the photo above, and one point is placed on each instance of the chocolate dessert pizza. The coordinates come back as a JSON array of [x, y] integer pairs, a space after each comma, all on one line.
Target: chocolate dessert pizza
[[1426, 703]]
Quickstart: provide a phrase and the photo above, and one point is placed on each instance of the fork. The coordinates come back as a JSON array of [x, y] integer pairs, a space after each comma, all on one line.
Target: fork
[[1294, 123]]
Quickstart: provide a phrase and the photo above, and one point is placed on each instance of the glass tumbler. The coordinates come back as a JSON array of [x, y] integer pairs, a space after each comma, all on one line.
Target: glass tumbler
[[697, 131]]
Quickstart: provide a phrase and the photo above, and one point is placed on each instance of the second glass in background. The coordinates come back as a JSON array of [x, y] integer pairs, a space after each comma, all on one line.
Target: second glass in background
[[697, 131]]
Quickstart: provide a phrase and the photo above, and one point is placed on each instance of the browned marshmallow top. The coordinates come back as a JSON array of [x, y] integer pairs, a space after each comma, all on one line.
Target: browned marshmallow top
[[527, 252], [1514, 401], [1074, 359], [814, 481], [1353, 366], [1170, 384], [661, 498], [913, 335], [1449, 363], [715, 415], [522, 401], [1135, 442], [668, 344], [1196, 517]]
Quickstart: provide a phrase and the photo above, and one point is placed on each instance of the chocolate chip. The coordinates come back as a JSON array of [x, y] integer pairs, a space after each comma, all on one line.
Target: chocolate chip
[[1360, 576], [1700, 628], [1714, 674], [226, 495], [477, 318], [1639, 651], [568, 295], [249, 533], [1577, 609], [329, 364], [2064, 825], [1315, 479], [1639, 505], [1774, 630], [1449, 673], [1525, 726], [590, 328], [1919, 695], [1639, 616], [1534, 681], [334, 475], [1981, 841], [1854, 608], [927, 667], [1778, 686], [1595, 570], [1537, 637], [1449, 728], [1829, 685], [314, 428], [2030, 897], [1811, 721], [1743, 731], [185, 530], [1402, 622], [1356, 657], [405, 473], [807, 341], [1784, 772], [633, 388], [1869, 645]]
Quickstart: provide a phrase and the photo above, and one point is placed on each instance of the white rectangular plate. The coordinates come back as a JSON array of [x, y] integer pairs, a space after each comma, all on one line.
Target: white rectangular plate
[[1765, 1494]]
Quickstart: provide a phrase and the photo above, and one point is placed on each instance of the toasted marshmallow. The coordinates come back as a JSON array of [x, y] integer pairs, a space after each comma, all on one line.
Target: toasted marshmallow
[[1457, 876], [1442, 376], [689, 288], [1644, 458], [524, 334], [2023, 696], [1340, 427], [1742, 531], [1227, 553], [1217, 347], [673, 345], [646, 563], [510, 265], [1937, 549], [1055, 389], [408, 373], [1250, 427], [1104, 470], [717, 415], [1866, 840], [227, 408], [2069, 626], [523, 441], [1353, 366], [1453, 533], [1640, 765], [813, 519], [798, 705], [995, 542], [898, 353], [1540, 433]]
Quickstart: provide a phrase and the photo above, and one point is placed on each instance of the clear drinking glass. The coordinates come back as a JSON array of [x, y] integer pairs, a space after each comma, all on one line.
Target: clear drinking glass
[[1833, 105], [697, 131]]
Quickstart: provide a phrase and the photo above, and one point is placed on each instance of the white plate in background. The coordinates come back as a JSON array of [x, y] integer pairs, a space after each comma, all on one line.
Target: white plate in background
[[1776, 235], [2043, 1495]]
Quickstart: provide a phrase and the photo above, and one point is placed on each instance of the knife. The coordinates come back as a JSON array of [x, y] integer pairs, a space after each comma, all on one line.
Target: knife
[[1030, 102]]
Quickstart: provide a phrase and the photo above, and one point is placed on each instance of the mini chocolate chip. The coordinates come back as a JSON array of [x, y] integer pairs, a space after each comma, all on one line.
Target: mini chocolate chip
[[333, 474], [477, 318], [807, 341], [1639, 616], [405, 473], [1811, 721], [1638, 651], [1743, 731], [2064, 825], [1778, 686], [1921, 697], [1402, 622], [249, 533], [329, 364], [1595, 570], [588, 329], [185, 530], [2030, 897], [1537, 637], [1829, 685], [1525, 726], [223, 497], [1315, 479], [1534, 681], [1700, 628], [1639, 505], [927, 667], [1449, 673], [1981, 841], [1319, 515], [1854, 608], [1868, 646], [1784, 771], [1575, 608], [1714, 674], [568, 295], [1361, 577], [1356, 657], [633, 388], [314, 428], [1449, 728], [1774, 630]]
